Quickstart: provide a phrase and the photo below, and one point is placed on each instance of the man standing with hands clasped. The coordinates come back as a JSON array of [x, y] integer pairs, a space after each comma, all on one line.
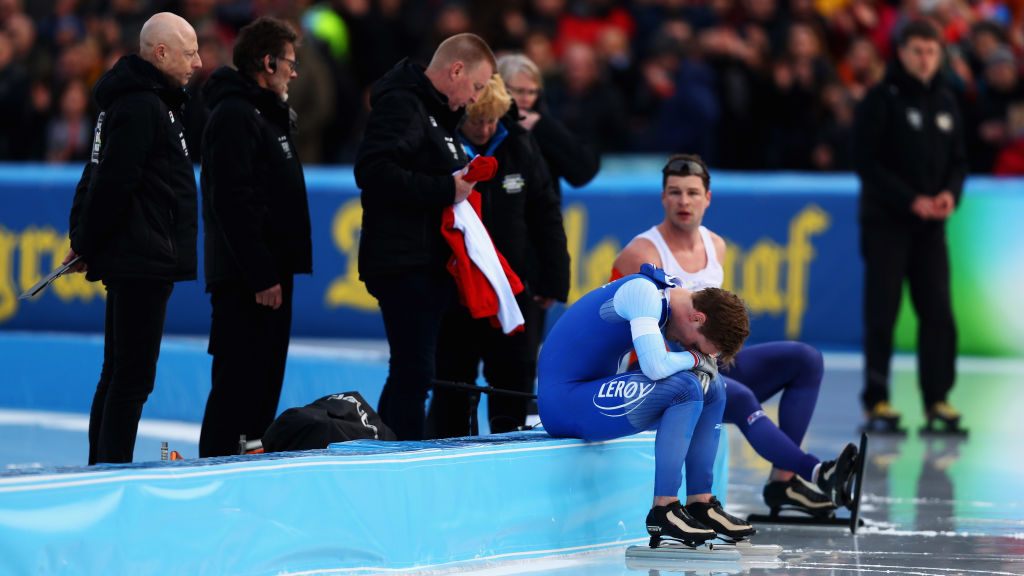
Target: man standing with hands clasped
[[257, 233], [912, 166], [133, 221]]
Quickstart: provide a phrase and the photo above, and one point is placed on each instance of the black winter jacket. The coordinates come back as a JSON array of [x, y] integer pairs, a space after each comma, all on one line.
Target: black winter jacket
[[135, 212], [567, 155], [522, 211], [255, 208], [404, 172], [909, 142]]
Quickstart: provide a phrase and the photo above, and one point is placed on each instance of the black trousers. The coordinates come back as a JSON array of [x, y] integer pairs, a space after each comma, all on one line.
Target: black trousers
[[917, 252], [249, 344], [132, 330], [412, 306], [510, 363]]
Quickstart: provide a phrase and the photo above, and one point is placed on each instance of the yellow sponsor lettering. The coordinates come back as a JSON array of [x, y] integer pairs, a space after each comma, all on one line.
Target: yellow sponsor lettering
[[772, 278], [347, 290], [8, 290], [38, 250], [588, 270]]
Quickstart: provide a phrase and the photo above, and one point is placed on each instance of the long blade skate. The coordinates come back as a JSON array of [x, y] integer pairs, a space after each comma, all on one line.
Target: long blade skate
[[862, 457], [799, 517], [748, 549], [678, 551]]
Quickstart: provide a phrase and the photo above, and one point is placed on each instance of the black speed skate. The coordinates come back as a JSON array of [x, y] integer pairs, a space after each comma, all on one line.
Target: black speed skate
[[797, 494], [835, 477], [674, 522], [727, 526], [943, 418]]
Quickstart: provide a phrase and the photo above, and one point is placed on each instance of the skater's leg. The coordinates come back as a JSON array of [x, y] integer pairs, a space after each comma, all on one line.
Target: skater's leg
[[700, 462], [625, 404], [769, 441]]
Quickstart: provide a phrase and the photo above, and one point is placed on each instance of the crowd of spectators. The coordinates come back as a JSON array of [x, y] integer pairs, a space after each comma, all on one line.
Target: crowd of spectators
[[747, 84]]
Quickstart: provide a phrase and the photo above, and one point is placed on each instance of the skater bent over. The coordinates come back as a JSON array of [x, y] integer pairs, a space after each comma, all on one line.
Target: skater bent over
[[691, 253], [679, 394]]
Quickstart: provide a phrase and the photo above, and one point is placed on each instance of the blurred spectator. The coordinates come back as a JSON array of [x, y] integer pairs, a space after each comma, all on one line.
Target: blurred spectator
[[215, 52], [14, 92], [735, 58], [860, 68], [677, 90], [1000, 97], [833, 146], [314, 94], [583, 99], [69, 136], [871, 19], [799, 78]]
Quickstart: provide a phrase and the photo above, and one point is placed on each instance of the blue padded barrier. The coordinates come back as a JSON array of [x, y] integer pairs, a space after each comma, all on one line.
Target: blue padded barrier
[[356, 508]]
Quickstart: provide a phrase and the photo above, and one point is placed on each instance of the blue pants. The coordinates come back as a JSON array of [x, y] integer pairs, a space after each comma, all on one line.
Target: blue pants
[[758, 373], [684, 416]]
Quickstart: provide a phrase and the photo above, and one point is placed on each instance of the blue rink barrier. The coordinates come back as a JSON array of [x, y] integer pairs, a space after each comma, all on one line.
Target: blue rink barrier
[[54, 371], [356, 508]]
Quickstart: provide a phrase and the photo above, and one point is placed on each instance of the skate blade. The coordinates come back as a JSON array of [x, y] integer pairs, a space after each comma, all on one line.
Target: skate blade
[[943, 431], [675, 552], [748, 549]]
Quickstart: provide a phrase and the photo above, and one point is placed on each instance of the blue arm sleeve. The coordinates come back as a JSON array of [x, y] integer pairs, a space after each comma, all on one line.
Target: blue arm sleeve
[[639, 301]]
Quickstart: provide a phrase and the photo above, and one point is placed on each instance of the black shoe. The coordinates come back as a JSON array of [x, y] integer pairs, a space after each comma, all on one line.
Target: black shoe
[[673, 521], [712, 515], [797, 494], [835, 477]]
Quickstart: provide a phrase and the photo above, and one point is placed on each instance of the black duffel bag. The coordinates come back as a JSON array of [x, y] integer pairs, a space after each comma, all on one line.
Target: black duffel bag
[[334, 418]]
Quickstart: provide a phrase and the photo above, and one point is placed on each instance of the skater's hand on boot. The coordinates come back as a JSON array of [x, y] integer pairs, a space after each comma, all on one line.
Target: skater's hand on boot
[[706, 368]]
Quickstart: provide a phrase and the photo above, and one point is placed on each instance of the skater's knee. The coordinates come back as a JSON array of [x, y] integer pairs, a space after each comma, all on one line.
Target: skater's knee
[[810, 362], [681, 387], [740, 404]]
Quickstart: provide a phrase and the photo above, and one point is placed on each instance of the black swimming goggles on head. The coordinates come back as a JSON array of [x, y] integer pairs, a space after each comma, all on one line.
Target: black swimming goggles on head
[[683, 167]]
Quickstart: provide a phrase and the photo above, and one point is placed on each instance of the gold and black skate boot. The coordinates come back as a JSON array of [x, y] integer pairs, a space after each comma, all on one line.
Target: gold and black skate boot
[[712, 515], [882, 418], [943, 418], [674, 522], [797, 494]]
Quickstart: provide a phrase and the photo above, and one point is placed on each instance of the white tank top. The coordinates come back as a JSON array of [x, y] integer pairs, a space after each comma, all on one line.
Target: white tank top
[[711, 275]]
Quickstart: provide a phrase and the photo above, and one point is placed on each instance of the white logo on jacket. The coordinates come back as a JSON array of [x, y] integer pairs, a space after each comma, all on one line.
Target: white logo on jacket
[[285, 147], [944, 120], [513, 183], [914, 118]]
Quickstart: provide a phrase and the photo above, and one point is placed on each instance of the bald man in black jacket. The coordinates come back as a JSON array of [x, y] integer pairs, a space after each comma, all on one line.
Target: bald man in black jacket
[[133, 221]]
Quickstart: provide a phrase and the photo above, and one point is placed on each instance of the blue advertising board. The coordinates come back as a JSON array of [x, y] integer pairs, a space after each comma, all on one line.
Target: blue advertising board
[[792, 252]]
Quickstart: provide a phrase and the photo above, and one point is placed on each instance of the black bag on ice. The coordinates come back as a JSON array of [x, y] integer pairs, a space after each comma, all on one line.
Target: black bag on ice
[[334, 418]]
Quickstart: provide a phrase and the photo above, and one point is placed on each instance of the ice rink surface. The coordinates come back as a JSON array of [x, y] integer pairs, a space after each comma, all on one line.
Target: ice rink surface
[[932, 506]]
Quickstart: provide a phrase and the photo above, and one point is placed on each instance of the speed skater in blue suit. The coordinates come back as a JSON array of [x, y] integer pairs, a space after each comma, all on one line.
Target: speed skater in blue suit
[[678, 394], [695, 256]]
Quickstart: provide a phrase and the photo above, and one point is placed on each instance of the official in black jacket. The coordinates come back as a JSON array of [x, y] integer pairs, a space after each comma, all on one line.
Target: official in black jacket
[[257, 233], [134, 219], [404, 170], [521, 211], [912, 165]]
